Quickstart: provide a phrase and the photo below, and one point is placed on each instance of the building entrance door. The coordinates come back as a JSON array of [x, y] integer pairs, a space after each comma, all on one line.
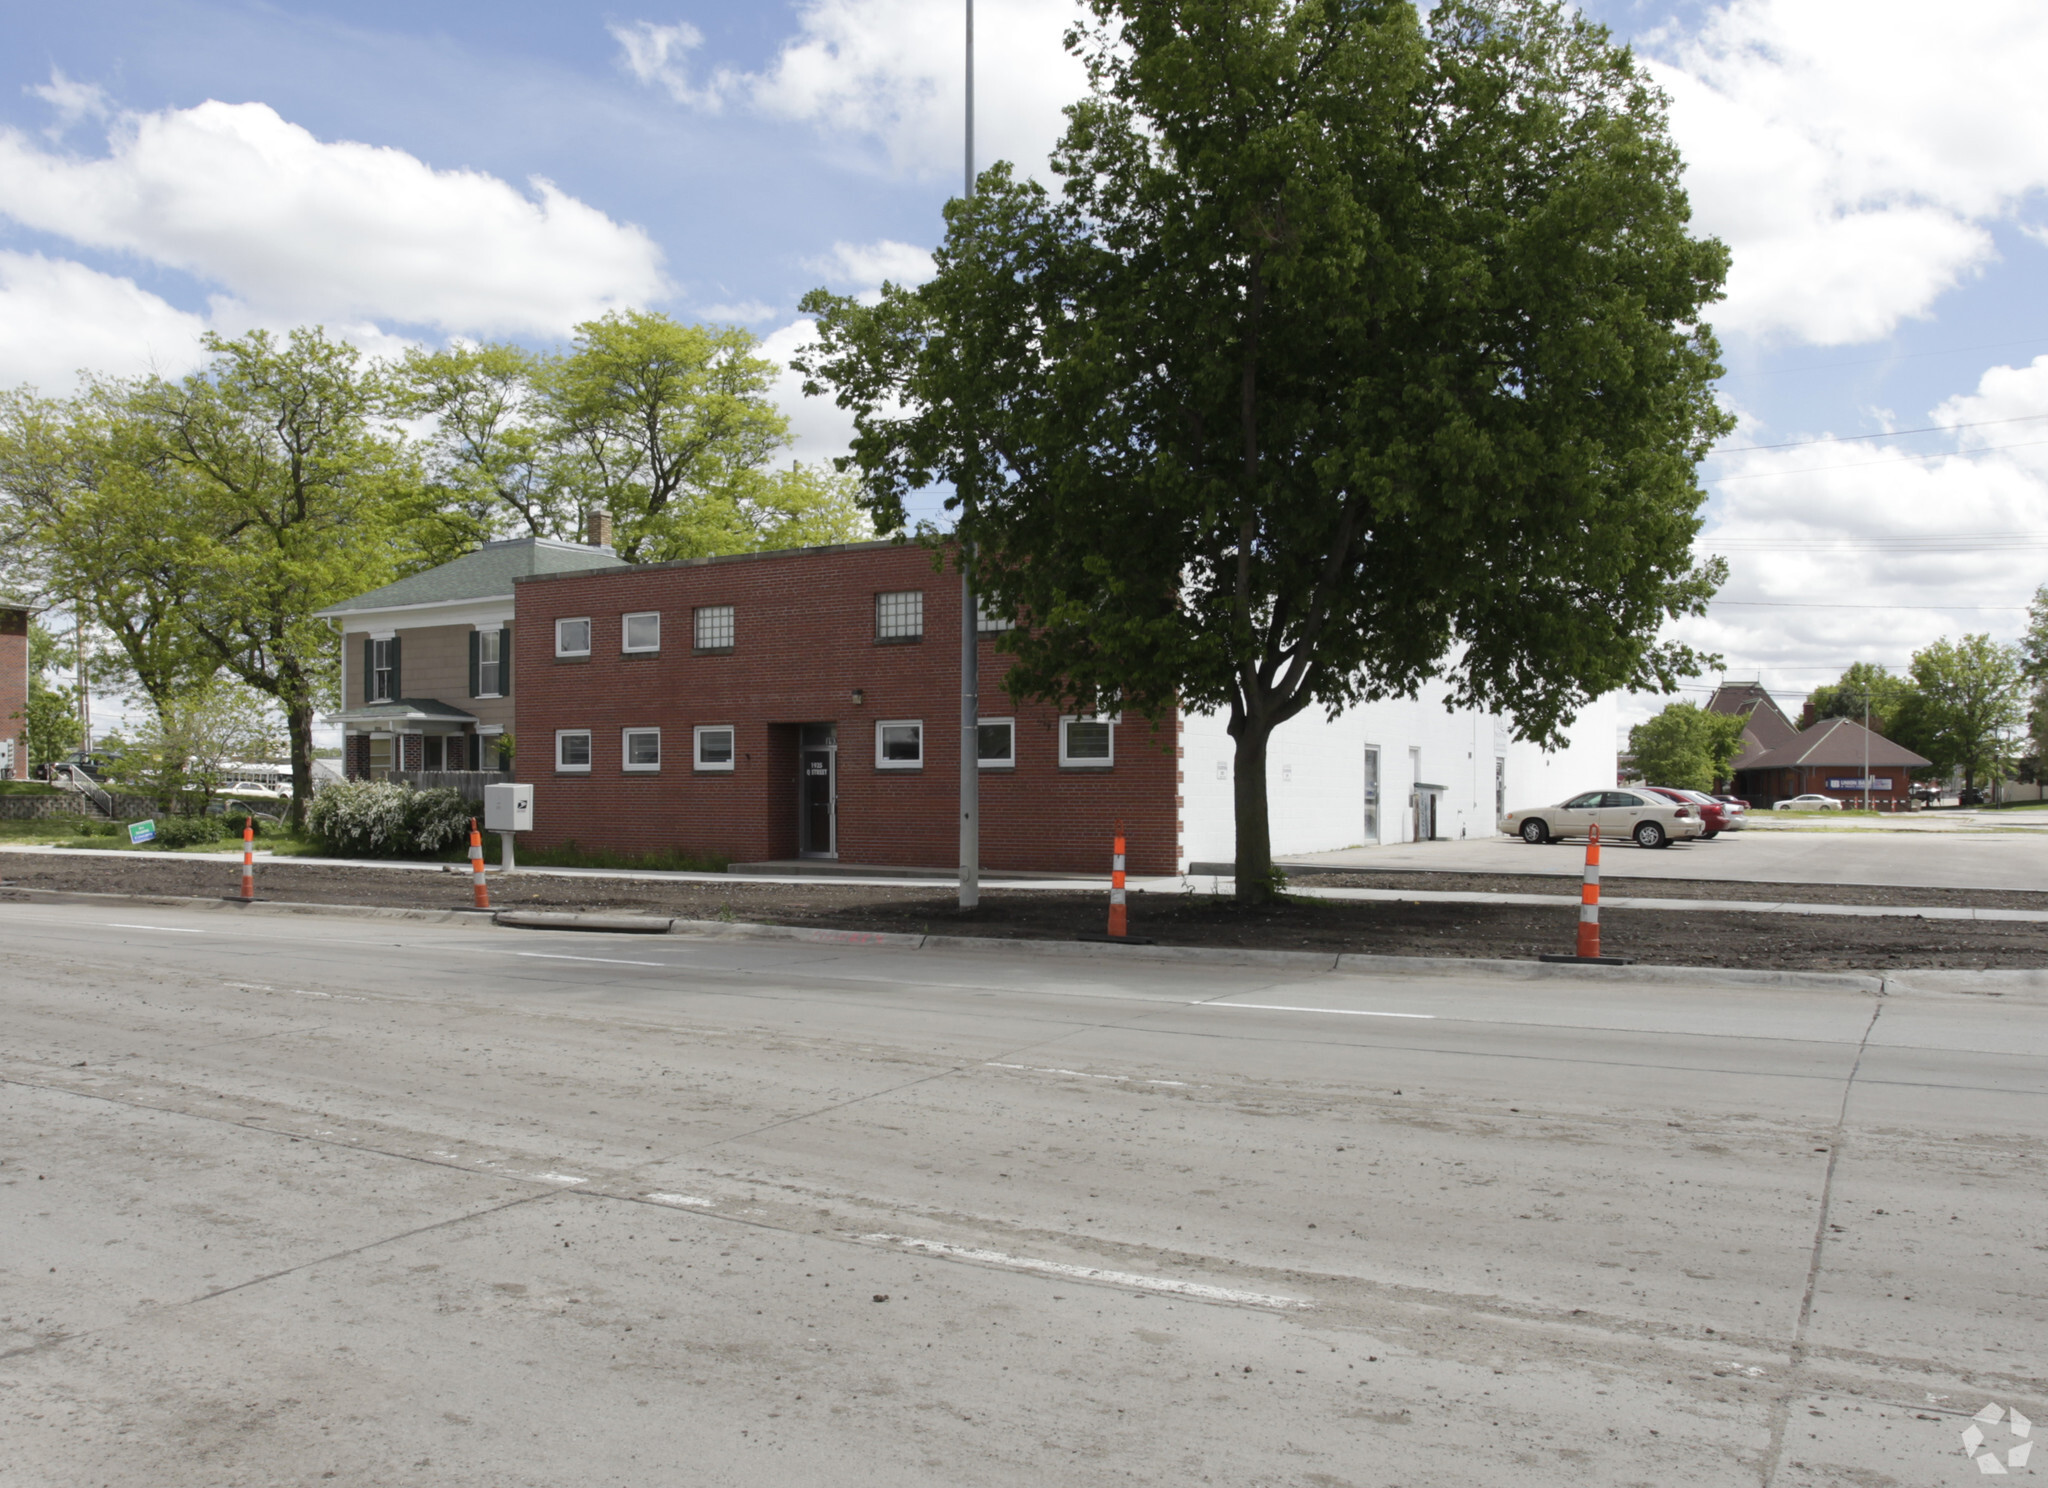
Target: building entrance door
[[1372, 793], [817, 811]]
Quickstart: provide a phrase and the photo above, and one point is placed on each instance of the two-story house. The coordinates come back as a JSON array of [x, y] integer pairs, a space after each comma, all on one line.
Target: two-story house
[[426, 663]]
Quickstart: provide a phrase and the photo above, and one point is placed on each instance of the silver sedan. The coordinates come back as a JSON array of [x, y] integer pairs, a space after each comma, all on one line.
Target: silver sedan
[[1642, 818]]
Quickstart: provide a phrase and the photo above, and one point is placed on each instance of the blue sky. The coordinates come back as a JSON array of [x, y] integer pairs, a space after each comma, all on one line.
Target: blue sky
[[177, 164]]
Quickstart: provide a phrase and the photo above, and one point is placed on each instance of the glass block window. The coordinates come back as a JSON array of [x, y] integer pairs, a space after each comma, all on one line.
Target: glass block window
[[572, 751], [714, 747], [988, 623], [899, 745], [1087, 743], [995, 741], [572, 637], [714, 627], [642, 749], [900, 616], [640, 632]]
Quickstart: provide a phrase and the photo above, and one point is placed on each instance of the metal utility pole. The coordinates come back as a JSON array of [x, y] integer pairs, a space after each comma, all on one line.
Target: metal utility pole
[[84, 687], [1866, 749], [970, 628]]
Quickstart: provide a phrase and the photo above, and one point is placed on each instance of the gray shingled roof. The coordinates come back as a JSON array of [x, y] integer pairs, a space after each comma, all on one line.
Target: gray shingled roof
[[485, 574], [1835, 743]]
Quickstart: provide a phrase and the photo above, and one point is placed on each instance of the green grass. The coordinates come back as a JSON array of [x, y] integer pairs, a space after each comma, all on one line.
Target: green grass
[[27, 788]]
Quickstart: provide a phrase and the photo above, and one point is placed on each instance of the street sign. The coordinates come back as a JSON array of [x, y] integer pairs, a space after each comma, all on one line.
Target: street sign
[[141, 832]]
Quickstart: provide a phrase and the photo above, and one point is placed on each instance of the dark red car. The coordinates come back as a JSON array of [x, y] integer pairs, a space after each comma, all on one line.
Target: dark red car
[[1713, 815]]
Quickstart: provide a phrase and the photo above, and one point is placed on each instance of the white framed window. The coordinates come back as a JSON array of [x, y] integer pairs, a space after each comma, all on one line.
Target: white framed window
[[383, 668], [381, 754], [641, 632], [899, 744], [1088, 742], [714, 627], [572, 751], [995, 743], [572, 637], [714, 746], [987, 622], [639, 750], [490, 655], [900, 616]]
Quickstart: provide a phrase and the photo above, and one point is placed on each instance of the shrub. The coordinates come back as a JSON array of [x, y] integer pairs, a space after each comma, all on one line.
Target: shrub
[[438, 819], [375, 818], [189, 831]]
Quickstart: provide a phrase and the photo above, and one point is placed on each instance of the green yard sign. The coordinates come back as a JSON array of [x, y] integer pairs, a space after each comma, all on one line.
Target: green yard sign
[[141, 832]]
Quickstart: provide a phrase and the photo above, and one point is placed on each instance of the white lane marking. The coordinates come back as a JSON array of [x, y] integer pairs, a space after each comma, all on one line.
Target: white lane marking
[[607, 960], [1168, 1284], [1274, 1007], [250, 986], [166, 929], [1038, 1069], [561, 1178], [683, 1199]]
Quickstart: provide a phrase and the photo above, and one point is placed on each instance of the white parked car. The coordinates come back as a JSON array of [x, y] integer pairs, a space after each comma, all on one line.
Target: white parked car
[[1637, 816], [1808, 803]]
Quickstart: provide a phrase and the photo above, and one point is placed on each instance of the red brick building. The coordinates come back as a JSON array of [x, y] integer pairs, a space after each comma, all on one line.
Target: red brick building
[[13, 692], [807, 703]]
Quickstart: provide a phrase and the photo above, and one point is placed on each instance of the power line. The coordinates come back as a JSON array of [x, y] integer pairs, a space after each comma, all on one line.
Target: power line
[[1806, 604], [1903, 356], [1988, 449], [1735, 449]]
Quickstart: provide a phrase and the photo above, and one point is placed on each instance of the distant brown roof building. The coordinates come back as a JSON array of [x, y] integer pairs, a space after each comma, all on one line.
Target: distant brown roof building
[[1765, 728], [1829, 759]]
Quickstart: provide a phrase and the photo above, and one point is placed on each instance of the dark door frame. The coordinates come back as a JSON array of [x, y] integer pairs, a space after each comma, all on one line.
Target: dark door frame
[[817, 740]]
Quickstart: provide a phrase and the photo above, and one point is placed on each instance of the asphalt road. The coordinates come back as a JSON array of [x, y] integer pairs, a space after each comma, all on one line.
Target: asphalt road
[[2007, 858], [326, 1200]]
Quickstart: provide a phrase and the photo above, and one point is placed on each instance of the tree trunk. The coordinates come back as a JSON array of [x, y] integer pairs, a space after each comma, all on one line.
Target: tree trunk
[[299, 730], [1254, 827]]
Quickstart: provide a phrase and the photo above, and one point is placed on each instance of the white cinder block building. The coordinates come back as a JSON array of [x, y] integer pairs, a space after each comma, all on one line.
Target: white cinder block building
[[1386, 772]]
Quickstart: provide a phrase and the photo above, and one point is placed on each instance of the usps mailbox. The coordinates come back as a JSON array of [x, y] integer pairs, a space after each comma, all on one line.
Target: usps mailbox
[[508, 808]]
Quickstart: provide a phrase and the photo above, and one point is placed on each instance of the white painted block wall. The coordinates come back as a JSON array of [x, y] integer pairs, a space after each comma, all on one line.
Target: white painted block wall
[[1315, 776]]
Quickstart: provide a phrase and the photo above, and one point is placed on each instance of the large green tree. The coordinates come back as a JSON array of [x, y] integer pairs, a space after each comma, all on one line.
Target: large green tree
[[288, 493], [1686, 746], [669, 427], [1357, 351], [1968, 706], [1865, 687]]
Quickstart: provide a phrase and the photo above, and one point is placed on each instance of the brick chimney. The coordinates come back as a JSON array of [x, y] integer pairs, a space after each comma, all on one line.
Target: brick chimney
[[597, 529]]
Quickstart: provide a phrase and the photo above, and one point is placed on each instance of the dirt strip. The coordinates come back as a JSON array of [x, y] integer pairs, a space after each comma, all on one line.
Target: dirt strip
[[1684, 937]]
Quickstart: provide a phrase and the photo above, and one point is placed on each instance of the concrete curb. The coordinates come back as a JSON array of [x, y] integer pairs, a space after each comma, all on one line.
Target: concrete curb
[[1929, 979], [477, 918], [620, 924]]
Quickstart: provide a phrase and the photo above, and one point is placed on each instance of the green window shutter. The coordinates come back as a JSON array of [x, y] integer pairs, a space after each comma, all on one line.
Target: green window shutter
[[505, 662], [476, 650], [397, 687], [369, 671]]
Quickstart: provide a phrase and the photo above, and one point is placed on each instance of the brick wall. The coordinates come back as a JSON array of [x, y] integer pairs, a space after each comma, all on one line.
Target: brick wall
[[14, 685], [804, 644]]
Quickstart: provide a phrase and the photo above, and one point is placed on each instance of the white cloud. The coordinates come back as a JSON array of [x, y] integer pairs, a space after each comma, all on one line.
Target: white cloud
[[71, 99], [819, 430], [1854, 153], [1869, 550], [654, 55], [891, 71], [292, 228], [868, 266], [744, 312], [58, 318]]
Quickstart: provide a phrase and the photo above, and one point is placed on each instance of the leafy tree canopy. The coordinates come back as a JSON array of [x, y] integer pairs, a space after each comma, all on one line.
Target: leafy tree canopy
[[1355, 351], [1968, 706], [1686, 746], [1865, 683]]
